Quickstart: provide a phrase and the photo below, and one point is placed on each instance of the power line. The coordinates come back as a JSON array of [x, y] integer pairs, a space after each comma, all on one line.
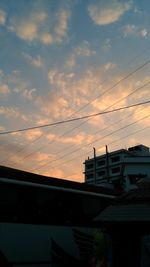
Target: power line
[[120, 100], [115, 141], [134, 91], [101, 138], [84, 117], [118, 82], [75, 119], [99, 131], [125, 77], [60, 157], [141, 66]]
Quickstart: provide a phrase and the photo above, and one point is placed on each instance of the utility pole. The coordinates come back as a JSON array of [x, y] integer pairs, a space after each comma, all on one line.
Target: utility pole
[[94, 165]]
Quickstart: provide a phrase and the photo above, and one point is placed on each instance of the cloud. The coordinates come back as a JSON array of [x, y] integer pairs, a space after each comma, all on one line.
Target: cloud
[[69, 92], [2, 128], [4, 89], [40, 157], [35, 62], [71, 61], [2, 17], [41, 120], [11, 112], [107, 12], [22, 86], [47, 38], [28, 94], [133, 30], [109, 66], [84, 50], [39, 27], [77, 139], [32, 134], [144, 32], [60, 30], [28, 28], [54, 105]]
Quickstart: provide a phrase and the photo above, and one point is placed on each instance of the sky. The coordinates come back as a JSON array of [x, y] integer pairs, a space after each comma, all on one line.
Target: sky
[[66, 59]]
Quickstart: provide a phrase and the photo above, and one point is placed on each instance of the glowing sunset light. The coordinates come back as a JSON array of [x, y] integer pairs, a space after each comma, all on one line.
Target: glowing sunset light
[[65, 59]]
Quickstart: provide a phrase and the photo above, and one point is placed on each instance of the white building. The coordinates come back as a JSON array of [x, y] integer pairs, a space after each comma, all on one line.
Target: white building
[[119, 169]]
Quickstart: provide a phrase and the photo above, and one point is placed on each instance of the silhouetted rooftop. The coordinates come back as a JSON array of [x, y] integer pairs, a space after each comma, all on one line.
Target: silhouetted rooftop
[[11, 173]]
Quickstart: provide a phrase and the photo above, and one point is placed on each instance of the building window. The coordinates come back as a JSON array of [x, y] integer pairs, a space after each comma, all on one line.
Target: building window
[[101, 163], [89, 176], [115, 159], [101, 173], [134, 178], [89, 166], [115, 170]]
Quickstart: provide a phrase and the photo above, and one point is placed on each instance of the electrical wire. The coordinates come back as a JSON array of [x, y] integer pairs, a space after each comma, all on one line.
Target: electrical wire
[[118, 101], [115, 141], [76, 119], [28, 155], [96, 140], [134, 91], [141, 66]]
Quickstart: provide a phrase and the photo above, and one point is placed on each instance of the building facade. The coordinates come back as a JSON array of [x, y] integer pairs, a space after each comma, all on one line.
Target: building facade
[[121, 169]]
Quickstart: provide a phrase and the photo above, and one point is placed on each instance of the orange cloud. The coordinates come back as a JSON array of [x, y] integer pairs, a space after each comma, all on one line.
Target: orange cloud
[[4, 89], [32, 134]]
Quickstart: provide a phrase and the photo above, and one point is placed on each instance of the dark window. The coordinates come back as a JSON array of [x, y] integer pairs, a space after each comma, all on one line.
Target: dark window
[[101, 162], [115, 159], [89, 166], [27, 203], [134, 178], [115, 170], [101, 173], [8, 202], [89, 176]]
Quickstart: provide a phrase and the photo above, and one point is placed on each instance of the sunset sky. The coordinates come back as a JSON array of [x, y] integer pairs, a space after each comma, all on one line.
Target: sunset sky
[[61, 59]]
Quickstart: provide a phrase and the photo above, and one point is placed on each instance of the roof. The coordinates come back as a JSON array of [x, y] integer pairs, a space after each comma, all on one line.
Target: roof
[[104, 155], [139, 195], [11, 173], [130, 152], [130, 207], [125, 213]]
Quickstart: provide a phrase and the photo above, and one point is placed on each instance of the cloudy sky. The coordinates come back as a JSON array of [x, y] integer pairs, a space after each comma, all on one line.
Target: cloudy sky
[[66, 59]]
